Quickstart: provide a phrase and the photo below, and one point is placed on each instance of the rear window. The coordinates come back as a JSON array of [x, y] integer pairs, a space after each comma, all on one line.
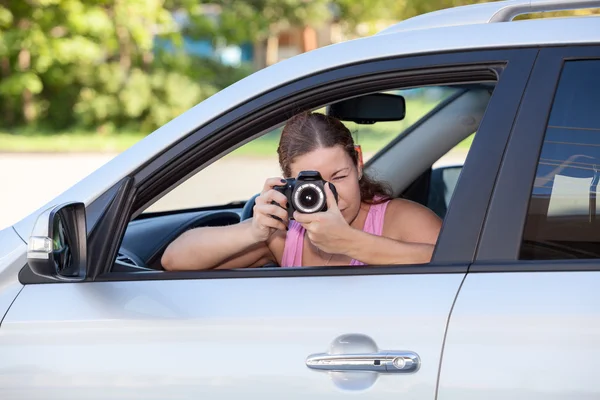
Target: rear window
[[563, 220]]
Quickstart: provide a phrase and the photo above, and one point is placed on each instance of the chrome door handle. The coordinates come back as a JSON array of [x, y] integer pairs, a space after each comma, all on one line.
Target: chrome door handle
[[383, 362]]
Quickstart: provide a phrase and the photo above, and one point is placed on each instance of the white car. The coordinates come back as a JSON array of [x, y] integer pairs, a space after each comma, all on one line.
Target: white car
[[508, 307]]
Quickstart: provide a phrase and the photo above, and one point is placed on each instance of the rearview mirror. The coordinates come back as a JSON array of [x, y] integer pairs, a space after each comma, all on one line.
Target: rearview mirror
[[376, 107], [57, 246]]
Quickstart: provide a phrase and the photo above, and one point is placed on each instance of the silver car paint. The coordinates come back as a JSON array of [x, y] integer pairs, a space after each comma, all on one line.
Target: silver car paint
[[218, 339], [520, 33], [13, 256], [533, 336], [482, 13]]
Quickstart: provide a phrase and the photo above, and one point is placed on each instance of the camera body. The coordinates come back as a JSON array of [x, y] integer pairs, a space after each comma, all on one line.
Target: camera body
[[306, 193]]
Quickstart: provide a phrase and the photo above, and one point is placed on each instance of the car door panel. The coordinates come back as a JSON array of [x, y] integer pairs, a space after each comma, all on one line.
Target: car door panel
[[13, 247], [217, 338], [524, 335]]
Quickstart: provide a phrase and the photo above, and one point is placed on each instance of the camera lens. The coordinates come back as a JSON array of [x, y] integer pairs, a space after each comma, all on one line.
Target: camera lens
[[309, 198]]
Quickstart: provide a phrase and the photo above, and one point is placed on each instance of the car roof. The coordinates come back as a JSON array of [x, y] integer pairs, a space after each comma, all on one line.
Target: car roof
[[472, 36], [485, 13]]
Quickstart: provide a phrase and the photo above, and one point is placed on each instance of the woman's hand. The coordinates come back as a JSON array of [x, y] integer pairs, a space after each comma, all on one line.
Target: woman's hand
[[327, 230], [269, 217]]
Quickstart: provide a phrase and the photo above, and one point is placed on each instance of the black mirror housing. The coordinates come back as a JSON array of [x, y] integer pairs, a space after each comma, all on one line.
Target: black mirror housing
[[369, 109], [57, 248]]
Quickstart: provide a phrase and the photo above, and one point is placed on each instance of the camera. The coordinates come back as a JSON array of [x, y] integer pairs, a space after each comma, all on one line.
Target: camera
[[306, 193]]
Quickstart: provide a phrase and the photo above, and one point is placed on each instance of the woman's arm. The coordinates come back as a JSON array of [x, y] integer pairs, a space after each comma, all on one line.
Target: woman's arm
[[246, 244], [409, 236], [220, 247], [381, 250]]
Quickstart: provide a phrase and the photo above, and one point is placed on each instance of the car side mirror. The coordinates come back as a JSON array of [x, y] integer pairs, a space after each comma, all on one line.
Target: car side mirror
[[57, 246], [441, 188]]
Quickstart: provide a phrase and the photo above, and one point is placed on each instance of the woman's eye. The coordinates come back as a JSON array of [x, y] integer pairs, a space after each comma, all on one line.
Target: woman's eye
[[339, 178]]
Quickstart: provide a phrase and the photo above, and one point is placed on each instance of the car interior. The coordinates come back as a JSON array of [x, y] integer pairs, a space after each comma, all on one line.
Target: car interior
[[410, 163]]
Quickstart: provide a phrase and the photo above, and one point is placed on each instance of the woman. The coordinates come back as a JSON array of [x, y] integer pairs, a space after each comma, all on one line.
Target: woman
[[364, 227]]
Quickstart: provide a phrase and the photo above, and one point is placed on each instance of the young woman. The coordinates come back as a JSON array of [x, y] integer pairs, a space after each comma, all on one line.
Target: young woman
[[364, 227]]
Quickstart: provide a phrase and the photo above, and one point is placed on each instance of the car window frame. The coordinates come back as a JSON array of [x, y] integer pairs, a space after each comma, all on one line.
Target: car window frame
[[502, 236], [515, 66], [394, 139]]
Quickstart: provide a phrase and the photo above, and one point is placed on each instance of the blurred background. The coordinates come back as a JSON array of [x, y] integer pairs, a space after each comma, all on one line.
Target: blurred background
[[82, 80]]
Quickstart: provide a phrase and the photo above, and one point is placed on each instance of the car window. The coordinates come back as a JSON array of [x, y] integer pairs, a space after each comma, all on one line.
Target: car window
[[563, 219], [419, 102], [241, 174]]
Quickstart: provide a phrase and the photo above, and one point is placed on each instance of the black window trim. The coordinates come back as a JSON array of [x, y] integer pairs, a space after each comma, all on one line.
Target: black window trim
[[516, 64], [500, 243]]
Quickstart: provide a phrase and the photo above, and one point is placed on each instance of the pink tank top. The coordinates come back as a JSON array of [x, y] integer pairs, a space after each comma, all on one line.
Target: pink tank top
[[294, 241]]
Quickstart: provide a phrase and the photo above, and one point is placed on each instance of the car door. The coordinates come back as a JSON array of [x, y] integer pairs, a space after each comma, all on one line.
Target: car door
[[527, 321], [318, 333]]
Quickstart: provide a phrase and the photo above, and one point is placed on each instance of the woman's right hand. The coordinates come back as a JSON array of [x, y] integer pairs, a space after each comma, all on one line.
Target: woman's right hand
[[263, 223]]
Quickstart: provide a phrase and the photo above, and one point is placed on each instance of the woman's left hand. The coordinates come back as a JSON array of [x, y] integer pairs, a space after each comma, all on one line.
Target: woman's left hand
[[327, 230]]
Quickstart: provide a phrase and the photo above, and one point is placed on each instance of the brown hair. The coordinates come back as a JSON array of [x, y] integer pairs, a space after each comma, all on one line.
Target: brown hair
[[306, 132]]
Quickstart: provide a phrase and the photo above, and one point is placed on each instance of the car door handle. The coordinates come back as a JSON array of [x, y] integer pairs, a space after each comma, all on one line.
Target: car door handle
[[383, 362]]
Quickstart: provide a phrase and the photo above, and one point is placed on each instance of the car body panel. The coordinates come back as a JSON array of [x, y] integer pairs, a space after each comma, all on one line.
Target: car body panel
[[483, 13], [218, 338], [469, 37], [13, 253], [524, 336]]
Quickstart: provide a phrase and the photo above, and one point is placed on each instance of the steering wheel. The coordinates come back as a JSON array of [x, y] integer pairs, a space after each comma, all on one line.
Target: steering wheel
[[248, 210]]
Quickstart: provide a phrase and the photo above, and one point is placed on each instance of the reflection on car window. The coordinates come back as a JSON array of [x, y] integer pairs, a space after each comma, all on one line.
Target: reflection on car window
[[563, 220], [241, 174]]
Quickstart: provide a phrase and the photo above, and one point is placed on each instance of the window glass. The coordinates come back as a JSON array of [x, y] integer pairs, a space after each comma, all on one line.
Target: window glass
[[241, 174], [563, 220], [419, 102]]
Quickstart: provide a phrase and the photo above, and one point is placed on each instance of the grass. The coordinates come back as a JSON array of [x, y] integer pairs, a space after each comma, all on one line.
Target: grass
[[81, 142], [371, 140], [265, 147], [72, 142], [371, 137]]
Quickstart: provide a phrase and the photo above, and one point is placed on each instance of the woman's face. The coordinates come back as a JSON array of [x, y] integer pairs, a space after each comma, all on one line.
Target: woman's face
[[335, 166]]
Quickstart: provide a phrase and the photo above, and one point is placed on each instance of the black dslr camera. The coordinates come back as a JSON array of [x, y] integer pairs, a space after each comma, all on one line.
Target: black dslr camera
[[306, 193]]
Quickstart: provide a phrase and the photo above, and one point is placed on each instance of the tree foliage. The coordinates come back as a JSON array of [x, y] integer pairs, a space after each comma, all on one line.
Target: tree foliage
[[95, 63]]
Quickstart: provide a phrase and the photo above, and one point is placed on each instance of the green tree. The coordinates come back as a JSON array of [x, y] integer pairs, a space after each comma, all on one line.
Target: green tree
[[95, 63], [33, 42]]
